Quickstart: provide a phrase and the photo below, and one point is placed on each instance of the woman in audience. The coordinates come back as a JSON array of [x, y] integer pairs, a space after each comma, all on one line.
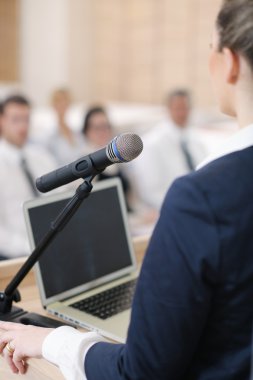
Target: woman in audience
[[65, 145], [192, 311], [98, 132]]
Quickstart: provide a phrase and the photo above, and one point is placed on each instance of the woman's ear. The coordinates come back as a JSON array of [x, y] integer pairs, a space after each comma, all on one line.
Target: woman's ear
[[232, 66]]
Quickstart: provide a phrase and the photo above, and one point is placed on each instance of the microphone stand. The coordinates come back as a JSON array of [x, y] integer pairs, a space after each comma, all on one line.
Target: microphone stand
[[11, 293]]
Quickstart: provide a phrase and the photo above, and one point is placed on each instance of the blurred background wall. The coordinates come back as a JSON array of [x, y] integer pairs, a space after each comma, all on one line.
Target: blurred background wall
[[113, 50]]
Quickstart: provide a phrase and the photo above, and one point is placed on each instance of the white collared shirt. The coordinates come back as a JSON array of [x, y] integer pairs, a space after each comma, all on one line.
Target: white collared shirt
[[67, 347], [15, 190], [241, 139], [65, 152], [163, 160]]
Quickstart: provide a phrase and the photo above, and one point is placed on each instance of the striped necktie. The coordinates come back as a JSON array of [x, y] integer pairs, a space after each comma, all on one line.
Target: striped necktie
[[187, 155], [28, 176]]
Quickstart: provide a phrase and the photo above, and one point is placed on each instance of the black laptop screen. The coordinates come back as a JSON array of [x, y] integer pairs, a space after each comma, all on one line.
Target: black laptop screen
[[92, 245]]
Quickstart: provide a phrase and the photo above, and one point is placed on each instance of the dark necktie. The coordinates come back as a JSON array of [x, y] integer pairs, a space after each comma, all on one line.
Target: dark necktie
[[187, 155], [28, 176]]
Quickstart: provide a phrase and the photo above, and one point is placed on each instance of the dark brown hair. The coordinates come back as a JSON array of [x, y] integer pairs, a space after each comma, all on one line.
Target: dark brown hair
[[90, 113], [15, 99], [179, 92], [235, 27]]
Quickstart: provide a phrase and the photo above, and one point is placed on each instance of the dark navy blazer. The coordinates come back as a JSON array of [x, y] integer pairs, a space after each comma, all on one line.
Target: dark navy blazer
[[193, 307]]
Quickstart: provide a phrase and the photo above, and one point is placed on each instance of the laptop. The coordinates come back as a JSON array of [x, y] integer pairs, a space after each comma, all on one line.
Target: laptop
[[87, 275]]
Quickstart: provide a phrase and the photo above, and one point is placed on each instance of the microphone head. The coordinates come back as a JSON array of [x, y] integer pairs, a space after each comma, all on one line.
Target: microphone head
[[124, 148]]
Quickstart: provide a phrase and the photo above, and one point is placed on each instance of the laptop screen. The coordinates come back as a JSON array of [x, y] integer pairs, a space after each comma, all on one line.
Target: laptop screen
[[93, 245]]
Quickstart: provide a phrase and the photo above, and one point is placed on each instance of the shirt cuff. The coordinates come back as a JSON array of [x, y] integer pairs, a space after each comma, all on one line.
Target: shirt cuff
[[67, 348]]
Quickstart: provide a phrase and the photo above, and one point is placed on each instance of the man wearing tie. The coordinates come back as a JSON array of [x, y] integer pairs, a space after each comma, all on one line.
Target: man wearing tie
[[20, 164], [171, 149]]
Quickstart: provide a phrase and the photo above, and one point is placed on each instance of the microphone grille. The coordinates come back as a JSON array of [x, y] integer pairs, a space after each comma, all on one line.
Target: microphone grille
[[125, 147]]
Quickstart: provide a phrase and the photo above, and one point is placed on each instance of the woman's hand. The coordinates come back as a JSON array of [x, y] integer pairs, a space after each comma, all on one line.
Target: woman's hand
[[19, 342]]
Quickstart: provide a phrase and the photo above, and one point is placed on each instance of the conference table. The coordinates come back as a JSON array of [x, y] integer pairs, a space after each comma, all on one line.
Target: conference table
[[40, 369]]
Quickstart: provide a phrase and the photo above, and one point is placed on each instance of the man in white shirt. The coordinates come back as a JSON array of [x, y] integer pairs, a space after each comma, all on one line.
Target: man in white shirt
[[171, 150], [20, 164]]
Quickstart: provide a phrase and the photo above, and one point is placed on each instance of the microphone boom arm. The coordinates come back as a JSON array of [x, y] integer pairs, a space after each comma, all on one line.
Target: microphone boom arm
[[11, 292]]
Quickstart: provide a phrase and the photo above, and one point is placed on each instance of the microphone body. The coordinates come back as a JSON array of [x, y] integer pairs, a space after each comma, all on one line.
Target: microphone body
[[122, 148]]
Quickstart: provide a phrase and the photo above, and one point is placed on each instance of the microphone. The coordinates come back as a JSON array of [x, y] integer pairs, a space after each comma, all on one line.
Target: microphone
[[123, 148]]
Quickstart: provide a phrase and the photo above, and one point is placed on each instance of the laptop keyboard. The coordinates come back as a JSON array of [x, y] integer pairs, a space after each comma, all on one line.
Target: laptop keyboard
[[110, 302]]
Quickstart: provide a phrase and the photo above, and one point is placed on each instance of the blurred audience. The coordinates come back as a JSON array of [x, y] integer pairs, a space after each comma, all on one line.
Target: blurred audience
[[20, 164], [98, 131], [171, 149], [65, 145]]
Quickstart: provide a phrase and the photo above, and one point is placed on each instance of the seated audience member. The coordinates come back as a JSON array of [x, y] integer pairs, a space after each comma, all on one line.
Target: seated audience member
[[65, 145], [98, 133], [171, 149], [20, 164], [192, 310]]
